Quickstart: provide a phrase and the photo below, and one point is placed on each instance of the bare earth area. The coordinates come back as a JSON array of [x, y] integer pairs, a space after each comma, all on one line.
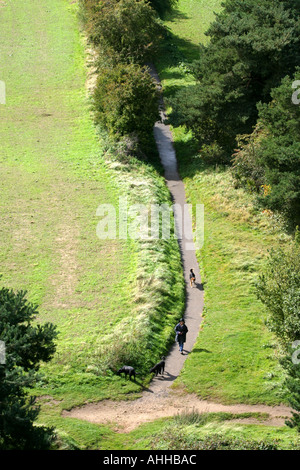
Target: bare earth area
[[126, 416], [159, 400]]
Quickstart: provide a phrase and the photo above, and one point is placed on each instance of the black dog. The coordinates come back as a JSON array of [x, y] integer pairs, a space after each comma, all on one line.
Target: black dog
[[159, 368], [127, 370]]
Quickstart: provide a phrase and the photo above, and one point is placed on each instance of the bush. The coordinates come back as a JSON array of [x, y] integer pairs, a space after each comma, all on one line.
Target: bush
[[123, 30], [279, 289], [292, 385], [246, 170], [126, 101]]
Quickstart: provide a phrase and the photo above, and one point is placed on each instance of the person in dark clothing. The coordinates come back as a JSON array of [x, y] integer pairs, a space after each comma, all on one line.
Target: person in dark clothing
[[181, 331]]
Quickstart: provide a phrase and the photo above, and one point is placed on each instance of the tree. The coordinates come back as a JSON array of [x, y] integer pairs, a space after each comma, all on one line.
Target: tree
[[162, 6], [123, 30], [126, 101], [253, 45], [271, 154], [279, 152], [278, 288], [26, 346]]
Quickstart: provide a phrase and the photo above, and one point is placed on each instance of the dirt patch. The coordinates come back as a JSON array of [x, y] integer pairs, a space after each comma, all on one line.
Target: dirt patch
[[125, 416]]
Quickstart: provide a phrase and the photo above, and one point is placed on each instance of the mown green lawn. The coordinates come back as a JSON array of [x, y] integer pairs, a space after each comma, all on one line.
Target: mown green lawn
[[53, 178], [234, 359], [52, 181], [105, 296], [190, 19]]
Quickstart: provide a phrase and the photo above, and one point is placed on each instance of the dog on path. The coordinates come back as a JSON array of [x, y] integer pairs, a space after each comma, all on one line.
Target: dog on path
[[127, 370], [159, 368]]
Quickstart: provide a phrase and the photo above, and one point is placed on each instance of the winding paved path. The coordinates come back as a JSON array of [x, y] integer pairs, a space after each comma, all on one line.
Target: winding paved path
[[194, 296], [157, 400]]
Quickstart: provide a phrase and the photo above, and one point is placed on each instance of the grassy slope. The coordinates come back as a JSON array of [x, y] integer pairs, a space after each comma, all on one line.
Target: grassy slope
[[54, 174], [233, 360], [52, 182], [183, 432]]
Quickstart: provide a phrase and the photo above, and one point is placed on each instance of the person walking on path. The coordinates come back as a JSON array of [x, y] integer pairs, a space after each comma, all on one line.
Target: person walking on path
[[192, 277], [181, 330]]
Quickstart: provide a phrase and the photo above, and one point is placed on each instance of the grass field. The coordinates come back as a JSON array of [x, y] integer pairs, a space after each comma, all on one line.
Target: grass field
[[234, 359], [178, 433], [52, 181], [184, 432], [55, 172]]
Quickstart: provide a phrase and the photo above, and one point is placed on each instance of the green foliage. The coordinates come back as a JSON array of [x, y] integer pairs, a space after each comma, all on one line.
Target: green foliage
[[125, 34], [126, 101], [175, 439], [123, 30], [279, 289], [25, 347], [290, 363], [279, 152], [246, 170], [162, 6], [253, 45], [271, 154]]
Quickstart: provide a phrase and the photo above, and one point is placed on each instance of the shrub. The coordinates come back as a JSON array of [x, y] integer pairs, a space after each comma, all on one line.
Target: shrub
[[246, 170], [279, 289], [292, 385], [126, 101], [124, 30]]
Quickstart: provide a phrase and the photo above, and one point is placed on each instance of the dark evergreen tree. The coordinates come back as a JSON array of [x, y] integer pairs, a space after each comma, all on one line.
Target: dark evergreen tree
[[26, 346], [270, 156], [253, 45], [162, 6]]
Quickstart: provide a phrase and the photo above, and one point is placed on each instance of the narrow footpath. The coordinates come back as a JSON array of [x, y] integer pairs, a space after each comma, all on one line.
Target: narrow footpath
[[194, 295], [159, 400]]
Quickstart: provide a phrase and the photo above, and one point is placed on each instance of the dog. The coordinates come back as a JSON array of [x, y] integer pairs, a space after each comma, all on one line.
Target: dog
[[127, 370], [159, 368]]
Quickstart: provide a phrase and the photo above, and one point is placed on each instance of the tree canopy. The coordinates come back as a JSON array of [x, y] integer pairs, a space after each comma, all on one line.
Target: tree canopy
[[252, 46], [123, 30], [242, 96], [26, 346]]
